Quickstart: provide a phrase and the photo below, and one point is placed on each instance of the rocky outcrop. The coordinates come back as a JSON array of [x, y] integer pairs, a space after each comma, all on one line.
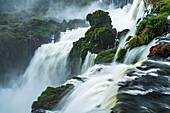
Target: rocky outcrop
[[147, 30], [99, 37], [152, 26], [162, 51], [50, 98], [147, 91]]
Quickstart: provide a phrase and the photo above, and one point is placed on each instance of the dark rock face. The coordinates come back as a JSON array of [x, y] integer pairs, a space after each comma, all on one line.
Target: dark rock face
[[50, 98], [146, 93], [162, 51]]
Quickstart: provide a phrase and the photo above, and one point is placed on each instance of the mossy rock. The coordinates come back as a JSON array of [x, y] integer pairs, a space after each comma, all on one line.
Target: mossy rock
[[99, 19], [128, 38], [105, 56], [103, 38], [147, 30], [121, 54], [51, 97], [99, 37]]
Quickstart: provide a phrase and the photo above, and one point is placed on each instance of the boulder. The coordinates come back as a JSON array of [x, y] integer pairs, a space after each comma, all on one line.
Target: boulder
[[162, 51]]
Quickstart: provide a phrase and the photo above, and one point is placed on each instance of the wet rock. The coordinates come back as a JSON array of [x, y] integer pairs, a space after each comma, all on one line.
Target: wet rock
[[162, 51], [50, 98]]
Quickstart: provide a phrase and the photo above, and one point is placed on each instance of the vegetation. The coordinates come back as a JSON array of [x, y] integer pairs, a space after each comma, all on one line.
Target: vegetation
[[99, 19], [99, 37], [128, 38], [121, 54], [147, 30], [105, 56], [21, 34], [51, 97]]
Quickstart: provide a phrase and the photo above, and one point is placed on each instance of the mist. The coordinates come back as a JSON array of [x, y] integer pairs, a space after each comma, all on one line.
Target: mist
[[67, 13]]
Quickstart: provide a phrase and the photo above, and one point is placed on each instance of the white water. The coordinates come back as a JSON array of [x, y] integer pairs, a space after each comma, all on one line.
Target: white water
[[138, 53], [96, 91], [99, 91], [48, 67], [127, 18], [88, 62]]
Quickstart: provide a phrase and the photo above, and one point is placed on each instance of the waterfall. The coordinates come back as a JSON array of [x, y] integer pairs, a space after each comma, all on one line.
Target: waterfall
[[97, 93], [47, 67], [88, 62], [132, 13], [138, 53], [96, 89]]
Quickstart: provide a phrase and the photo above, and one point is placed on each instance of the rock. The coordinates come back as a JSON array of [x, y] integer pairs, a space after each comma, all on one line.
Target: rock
[[147, 30], [98, 38], [99, 19], [105, 56], [121, 54], [122, 33], [162, 51], [50, 98]]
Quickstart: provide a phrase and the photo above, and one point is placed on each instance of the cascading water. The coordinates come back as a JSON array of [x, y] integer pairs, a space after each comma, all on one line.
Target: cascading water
[[48, 67], [132, 13], [98, 93], [89, 62], [93, 92], [139, 53]]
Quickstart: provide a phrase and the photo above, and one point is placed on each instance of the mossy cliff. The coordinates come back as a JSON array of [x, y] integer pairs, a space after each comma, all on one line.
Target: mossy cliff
[[99, 37], [20, 37]]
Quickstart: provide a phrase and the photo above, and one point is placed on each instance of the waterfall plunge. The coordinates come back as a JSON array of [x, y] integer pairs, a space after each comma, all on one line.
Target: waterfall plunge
[[48, 67]]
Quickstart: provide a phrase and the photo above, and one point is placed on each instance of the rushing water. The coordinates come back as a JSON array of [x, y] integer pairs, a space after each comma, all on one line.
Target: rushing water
[[104, 86], [47, 67]]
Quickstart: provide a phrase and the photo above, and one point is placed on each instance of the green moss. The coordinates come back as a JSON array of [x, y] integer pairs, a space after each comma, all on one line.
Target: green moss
[[121, 54], [98, 38], [128, 38], [50, 97], [147, 30], [99, 19], [105, 56]]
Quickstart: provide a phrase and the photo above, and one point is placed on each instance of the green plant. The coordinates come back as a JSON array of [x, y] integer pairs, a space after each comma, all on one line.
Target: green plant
[[121, 54]]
